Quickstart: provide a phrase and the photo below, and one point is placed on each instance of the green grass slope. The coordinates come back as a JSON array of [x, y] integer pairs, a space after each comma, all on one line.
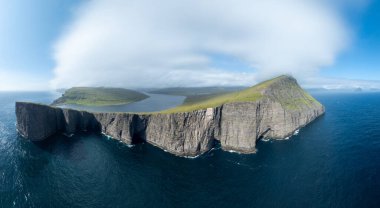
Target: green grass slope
[[193, 91], [99, 96], [283, 89]]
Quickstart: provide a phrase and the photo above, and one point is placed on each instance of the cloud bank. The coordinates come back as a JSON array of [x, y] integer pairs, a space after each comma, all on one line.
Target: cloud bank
[[148, 43], [339, 84]]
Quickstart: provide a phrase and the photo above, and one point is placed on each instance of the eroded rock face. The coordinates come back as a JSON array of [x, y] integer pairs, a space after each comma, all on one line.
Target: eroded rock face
[[284, 108], [122, 127], [186, 134], [242, 124], [37, 122], [236, 125]]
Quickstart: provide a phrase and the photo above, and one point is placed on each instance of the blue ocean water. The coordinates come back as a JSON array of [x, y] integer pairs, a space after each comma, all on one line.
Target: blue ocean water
[[333, 162]]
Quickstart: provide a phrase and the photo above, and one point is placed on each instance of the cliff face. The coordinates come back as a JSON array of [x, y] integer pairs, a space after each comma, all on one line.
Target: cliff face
[[185, 134], [236, 125], [37, 122], [242, 124]]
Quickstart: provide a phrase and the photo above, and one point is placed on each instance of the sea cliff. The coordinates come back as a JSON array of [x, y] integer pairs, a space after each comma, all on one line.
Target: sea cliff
[[282, 109]]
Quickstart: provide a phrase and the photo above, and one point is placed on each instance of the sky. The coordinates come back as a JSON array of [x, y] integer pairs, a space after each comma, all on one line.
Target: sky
[[47, 45]]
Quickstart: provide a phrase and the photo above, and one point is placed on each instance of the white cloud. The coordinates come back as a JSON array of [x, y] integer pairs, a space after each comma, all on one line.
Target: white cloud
[[149, 43], [339, 83]]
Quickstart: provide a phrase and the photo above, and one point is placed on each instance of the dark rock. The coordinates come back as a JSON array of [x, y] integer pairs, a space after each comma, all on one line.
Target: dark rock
[[37, 122]]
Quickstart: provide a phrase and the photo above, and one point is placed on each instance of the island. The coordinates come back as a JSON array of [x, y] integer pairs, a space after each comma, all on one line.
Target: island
[[273, 109], [99, 96]]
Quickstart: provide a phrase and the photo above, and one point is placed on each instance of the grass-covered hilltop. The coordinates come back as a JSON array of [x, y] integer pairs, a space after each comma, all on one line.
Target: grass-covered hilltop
[[99, 96], [283, 89], [195, 91]]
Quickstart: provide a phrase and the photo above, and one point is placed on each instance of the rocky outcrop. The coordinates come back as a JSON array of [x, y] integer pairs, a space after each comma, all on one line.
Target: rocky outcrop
[[186, 134], [237, 125], [242, 124], [37, 122]]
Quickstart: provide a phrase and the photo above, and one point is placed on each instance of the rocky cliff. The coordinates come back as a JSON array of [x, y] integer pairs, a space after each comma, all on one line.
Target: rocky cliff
[[282, 109]]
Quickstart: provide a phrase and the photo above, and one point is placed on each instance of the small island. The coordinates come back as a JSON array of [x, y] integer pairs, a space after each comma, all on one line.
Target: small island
[[272, 109], [99, 96]]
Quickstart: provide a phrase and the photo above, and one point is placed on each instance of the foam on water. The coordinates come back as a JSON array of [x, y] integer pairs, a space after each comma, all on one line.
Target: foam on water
[[108, 137], [296, 132]]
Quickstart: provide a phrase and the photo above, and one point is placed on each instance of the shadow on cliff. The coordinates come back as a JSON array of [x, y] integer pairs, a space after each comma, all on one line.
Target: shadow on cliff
[[59, 141], [139, 130], [69, 134], [138, 138]]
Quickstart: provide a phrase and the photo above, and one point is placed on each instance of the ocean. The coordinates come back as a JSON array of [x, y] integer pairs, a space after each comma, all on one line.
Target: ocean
[[333, 162]]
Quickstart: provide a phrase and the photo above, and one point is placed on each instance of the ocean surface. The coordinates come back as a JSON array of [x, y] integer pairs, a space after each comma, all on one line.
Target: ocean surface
[[333, 162]]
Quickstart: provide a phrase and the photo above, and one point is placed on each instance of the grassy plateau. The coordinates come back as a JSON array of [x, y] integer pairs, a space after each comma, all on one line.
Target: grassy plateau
[[195, 91], [99, 96]]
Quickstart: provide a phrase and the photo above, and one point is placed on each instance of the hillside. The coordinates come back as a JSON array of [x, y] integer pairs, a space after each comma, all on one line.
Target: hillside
[[283, 89], [194, 91], [99, 96]]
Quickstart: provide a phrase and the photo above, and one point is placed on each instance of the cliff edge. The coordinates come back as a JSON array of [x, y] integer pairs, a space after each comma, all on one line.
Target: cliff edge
[[273, 109]]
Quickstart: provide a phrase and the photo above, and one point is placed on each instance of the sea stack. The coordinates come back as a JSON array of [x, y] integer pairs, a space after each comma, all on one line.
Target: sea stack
[[279, 109]]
